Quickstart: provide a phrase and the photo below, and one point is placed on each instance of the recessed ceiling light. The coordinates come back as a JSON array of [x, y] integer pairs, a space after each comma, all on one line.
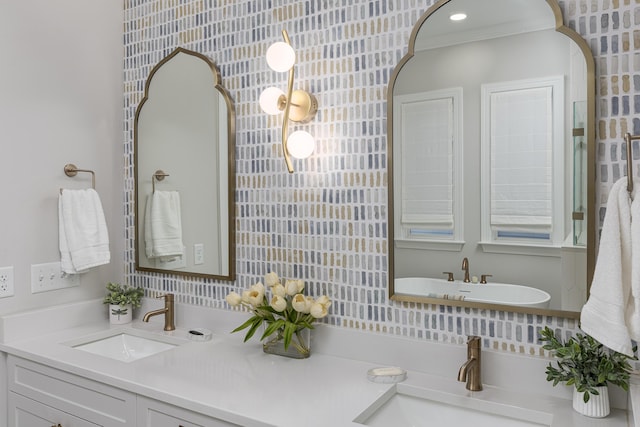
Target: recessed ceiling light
[[458, 16]]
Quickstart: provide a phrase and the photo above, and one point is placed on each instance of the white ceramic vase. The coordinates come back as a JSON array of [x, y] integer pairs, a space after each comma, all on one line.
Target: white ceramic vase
[[119, 315], [597, 406]]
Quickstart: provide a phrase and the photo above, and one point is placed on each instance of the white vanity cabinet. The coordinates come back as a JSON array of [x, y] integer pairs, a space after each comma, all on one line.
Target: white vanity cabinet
[[152, 413], [43, 396], [26, 412]]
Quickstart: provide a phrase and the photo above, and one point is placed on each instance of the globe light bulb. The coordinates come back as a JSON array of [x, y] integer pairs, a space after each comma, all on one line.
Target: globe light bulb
[[301, 144], [280, 57], [269, 100]]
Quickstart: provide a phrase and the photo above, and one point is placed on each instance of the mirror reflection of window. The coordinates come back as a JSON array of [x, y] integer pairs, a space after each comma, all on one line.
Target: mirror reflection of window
[[523, 160], [429, 155]]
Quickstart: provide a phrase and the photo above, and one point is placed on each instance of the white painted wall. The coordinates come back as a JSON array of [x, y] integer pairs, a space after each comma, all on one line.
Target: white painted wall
[[61, 96]]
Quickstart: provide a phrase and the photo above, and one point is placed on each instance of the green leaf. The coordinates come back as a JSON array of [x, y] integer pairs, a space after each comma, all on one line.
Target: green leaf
[[269, 330], [254, 327], [245, 324], [289, 329]]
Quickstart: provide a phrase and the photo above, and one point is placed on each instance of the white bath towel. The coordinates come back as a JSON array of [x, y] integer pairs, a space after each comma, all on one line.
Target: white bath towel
[[605, 314], [83, 236], [163, 225]]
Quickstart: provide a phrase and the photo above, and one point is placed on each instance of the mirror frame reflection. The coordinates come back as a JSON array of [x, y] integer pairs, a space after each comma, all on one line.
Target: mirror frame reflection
[[230, 176], [590, 142]]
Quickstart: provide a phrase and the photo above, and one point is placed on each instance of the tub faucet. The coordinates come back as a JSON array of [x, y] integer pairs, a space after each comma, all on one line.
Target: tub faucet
[[471, 369], [168, 312], [465, 267]]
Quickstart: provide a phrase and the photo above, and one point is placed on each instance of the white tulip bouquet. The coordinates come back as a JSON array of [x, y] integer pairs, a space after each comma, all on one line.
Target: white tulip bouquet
[[286, 313]]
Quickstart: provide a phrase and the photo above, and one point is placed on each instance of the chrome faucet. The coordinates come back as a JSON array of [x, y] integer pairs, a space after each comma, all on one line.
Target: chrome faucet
[[465, 267], [471, 369], [168, 311]]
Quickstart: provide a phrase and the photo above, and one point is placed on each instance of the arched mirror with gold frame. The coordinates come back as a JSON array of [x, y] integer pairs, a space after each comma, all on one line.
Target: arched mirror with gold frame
[[184, 138], [458, 84]]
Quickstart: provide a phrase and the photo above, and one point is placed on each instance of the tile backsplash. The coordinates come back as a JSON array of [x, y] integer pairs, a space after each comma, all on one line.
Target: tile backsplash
[[327, 223]]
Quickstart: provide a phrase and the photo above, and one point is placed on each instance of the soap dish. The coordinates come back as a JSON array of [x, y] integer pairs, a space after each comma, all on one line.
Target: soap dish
[[386, 375], [200, 334]]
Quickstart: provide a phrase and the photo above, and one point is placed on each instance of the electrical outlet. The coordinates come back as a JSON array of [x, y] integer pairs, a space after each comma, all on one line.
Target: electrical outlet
[[6, 282], [198, 253], [49, 276]]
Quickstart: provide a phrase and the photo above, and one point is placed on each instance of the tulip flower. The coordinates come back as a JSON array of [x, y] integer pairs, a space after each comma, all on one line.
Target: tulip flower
[[293, 287], [279, 290], [255, 295], [271, 279], [278, 303], [233, 299], [324, 300], [301, 304], [318, 311]]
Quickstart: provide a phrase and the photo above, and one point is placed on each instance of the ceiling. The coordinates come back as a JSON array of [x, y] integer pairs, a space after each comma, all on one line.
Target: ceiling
[[485, 19]]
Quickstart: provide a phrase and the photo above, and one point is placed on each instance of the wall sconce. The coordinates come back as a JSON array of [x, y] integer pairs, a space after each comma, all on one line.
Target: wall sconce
[[298, 105]]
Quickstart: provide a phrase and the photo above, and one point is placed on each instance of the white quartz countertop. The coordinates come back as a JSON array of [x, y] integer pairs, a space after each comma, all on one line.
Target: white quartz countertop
[[235, 381], [223, 378]]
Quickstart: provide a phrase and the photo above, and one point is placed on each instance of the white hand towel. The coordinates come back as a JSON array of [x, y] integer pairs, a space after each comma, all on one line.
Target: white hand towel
[[83, 236], [163, 225], [604, 315], [633, 307]]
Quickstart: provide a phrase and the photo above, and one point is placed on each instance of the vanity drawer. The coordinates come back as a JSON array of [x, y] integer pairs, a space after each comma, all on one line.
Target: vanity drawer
[[152, 413], [86, 399], [24, 412]]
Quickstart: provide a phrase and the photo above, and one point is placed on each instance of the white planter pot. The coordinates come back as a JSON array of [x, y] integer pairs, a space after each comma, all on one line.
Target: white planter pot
[[597, 406], [119, 315]]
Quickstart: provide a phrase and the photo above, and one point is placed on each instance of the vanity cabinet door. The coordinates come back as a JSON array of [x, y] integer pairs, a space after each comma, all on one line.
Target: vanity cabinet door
[[152, 413], [24, 412], [85, 399]]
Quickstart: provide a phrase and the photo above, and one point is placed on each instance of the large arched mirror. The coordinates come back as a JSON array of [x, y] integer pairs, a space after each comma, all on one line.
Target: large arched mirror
[[184, 170], [492, 161]]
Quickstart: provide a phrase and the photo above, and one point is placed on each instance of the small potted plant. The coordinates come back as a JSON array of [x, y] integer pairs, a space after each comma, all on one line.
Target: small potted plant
[[584, 363], [122, 299]]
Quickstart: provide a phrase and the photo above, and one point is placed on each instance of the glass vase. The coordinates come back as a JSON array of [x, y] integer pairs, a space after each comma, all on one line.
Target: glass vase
[[299, 347]]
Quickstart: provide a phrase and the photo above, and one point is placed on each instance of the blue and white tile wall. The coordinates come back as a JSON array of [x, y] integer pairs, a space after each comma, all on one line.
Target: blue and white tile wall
[[327, 223]]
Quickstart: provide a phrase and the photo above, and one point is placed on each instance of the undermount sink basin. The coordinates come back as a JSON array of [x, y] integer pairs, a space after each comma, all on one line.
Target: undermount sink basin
[[125, 345], [404, 406]]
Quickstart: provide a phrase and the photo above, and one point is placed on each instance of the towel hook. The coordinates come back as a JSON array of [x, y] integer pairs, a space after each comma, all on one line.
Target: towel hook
[[628, 138], [72, 170], [157, 175]]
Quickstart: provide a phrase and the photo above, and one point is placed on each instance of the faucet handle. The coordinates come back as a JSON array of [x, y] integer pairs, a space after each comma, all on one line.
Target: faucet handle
[[449, 276], [168, 296], [483, 278]]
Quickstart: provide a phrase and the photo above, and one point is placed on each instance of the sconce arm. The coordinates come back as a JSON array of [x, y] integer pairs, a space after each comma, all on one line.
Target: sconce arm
[[287, 109]]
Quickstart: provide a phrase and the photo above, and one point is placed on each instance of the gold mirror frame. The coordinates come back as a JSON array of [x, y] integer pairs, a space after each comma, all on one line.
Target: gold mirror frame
[[231, 137], [591, 171]]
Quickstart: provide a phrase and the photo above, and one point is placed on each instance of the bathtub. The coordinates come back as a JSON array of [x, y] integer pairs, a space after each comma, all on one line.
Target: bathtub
[[490, 293]]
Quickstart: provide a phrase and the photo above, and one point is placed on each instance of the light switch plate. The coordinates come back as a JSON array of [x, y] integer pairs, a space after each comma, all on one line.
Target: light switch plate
[[198, 253], [49, 276]]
